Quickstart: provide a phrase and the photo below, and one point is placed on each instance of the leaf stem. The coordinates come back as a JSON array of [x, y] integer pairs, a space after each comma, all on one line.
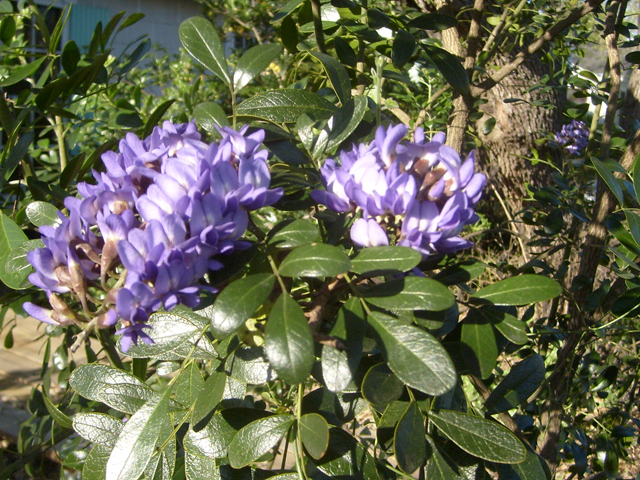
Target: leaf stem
[[302, 473]]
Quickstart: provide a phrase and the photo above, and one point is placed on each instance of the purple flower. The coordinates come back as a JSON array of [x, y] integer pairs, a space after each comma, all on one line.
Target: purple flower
[[160, 217], [573, 137], [423, 187]]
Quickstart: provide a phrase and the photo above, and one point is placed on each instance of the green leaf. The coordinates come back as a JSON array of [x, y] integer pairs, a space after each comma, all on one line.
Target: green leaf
[[380, 386], [198, 467], [478, 334], [7, 29], [42, 213], [16, 154], [14, 266], [410, 445], [338, 76], [92, 381], [188, 385], [314, 432], [11, 235], [615, 227], [483, 438], [131, 20], [199, 38], [410, 293], [402, 49], [531, 469], [521, 382], [293, 233], [175, 335], [70, 57], [450, 68], [209, 115], [95, 466], [23, 71], [488, 126], [98, 428], [319, 260], [288, 341], [633, 220], [213, 440], [633, 57], [209, 397], [342, 124], [156, 116], [289, 35], [346, 458], [339, 366], [437, 467], [250, 365], [636, 177], [509, 326], [163, 461], [433, 21], [415, 356], [607, 174], [253, 62], [285, 106], [238, 301], [137, 441], [257, 438], [520, 290], [60, 418], [345, 53], [378, 260]]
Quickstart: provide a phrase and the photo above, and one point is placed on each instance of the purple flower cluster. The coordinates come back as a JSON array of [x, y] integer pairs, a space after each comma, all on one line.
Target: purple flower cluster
[[421, 192], [164, 213], [573, 137]]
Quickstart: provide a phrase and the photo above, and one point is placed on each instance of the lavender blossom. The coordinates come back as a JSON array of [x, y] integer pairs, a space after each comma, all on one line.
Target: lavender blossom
[[164, 213], [421, 191], [573, 137]]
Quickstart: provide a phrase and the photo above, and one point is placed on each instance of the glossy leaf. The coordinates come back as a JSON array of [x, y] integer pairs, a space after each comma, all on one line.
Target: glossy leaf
[[509, 326], [319, 260], [95, 465], [607, 175], [314, 432], [198, 467], [521, 382], [238, 301], [346, 458], [188, 385], [288, 341], [438, 468], [531, 469], [380, 386], [16, 154], [338, 76], [250, 365], [344, 51], [42, 213], [377, 260], [70, 57], [416, 357], [449, 66], [410, 444], [175, 335], [339, 366], [410, 293], [15, 267], [402, 49], [520, 290], [11, 235], [98, 428], [478, 334], [293, 233], [253, 62], [137, 441], [213, 440], [483, 438], [156, 116], [462, 272], [209, 115], [257, 438], [209, 397], [198, 37], [342, 124], [60, 418], [92, 381], [285, 106]]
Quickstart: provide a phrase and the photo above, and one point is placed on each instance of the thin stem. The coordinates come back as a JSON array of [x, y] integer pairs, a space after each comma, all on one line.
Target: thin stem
[[62, 147], [317, 25], [302, 473], [110, 349]]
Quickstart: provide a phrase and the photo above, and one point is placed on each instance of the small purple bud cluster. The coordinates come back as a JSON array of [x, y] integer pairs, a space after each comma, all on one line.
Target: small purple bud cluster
[[165, 212], [573, 137], [421, 192]]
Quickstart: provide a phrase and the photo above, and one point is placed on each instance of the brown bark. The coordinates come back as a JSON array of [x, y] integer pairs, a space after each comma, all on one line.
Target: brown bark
[[630, 110]]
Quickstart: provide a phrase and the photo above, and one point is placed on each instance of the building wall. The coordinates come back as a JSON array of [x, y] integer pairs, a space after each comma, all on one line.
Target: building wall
[[160, 24]]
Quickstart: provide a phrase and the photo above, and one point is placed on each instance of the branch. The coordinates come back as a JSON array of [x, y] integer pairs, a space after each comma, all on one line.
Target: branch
[[575, 15]]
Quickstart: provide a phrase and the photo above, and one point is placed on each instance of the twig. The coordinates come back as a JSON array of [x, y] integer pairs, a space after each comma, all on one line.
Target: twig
[[320, 302], [525, 255]]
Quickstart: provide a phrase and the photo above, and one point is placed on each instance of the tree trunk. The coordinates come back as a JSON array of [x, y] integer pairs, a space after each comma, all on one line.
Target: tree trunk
[[630, 110], [508, 147]]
